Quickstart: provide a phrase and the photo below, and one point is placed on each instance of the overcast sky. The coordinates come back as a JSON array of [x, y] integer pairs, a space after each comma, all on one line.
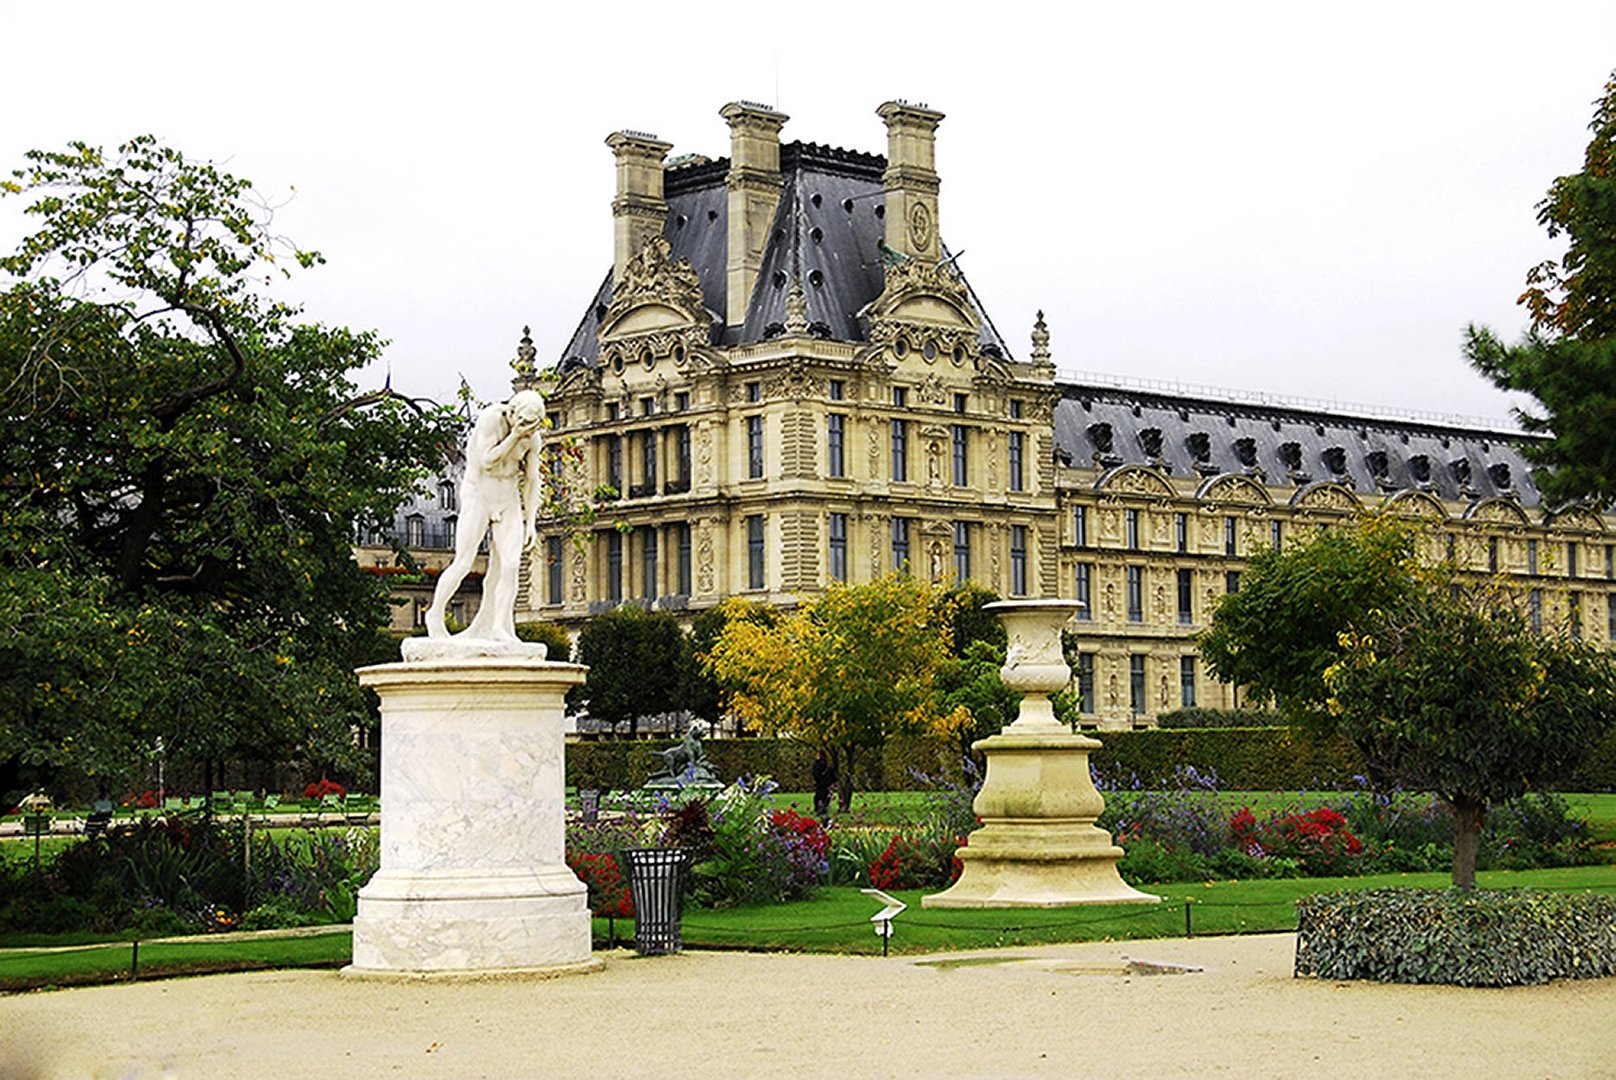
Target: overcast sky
[[1289, 198]]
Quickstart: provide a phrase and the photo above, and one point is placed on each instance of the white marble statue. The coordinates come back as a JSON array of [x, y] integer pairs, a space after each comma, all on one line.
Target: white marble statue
[[500, 493]]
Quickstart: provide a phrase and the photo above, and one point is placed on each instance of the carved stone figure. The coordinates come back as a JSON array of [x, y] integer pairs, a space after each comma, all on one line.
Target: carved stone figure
[[500, 493]]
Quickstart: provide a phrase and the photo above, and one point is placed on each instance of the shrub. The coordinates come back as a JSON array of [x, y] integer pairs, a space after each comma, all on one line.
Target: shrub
[[557, 642], [1484, 938], [323, 787], [608, 888], [917, 862]]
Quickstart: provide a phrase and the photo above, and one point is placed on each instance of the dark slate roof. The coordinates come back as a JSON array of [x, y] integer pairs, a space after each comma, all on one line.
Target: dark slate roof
[[825, 233], [1375, 455]]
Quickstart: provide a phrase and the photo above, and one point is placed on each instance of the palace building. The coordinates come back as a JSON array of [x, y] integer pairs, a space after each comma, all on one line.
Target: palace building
[[785, 381]]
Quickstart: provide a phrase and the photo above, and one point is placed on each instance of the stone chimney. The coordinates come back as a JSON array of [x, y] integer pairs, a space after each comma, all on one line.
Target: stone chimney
[[754, 194], [911, 179], [638, 211]]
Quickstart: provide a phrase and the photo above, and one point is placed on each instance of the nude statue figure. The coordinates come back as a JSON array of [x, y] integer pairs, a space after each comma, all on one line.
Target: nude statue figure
[[501, 492]]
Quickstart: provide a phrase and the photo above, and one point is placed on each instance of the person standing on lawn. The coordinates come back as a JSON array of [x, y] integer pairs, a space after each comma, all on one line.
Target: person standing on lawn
[[824, 781]]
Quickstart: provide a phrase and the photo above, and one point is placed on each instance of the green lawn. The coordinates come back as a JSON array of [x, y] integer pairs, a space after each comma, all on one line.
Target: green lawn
[[24, 969], [836, 921]]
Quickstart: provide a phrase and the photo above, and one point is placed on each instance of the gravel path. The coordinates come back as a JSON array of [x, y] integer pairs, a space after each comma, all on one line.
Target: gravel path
[[1049, 1011]]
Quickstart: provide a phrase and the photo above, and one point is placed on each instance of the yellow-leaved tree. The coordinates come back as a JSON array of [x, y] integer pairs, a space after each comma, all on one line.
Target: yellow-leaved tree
[[843, 672]]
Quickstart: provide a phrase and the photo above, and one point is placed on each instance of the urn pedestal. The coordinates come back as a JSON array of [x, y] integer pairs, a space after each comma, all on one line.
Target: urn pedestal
[[1038, 845], [473, 877]]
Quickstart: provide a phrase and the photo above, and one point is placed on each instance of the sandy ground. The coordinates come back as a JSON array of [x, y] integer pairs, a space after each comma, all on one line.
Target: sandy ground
[[1052, 1011]]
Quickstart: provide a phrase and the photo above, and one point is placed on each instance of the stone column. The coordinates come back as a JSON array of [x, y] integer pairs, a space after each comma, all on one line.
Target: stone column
[[473, 876]]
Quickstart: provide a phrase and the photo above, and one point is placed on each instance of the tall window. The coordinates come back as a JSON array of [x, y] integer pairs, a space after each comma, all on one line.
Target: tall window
[[959, 404], [1230, 543], [838, 389], [1186, 597], [1492, 554], [1085, 682], [754, 447], [1610, 617], [1131, 528], [754, 551], [1018, 560], [900, 397], [900, 543], [1136, 684], [614, 462], [1186, 681], [1015, 410], [682, 442], [648, 455], [1610, 561], [1276, 534], [614, 566], [1534, 603], [1136, 594], [446, 495], [838, 547], [1231, 581], [553, 552], [1181, 532], [1531, 556], [835, 445], [962, 442], [1085, 591], [1571, 559], [900, 450], [682, 539], [962, 550], [1574, 614], [754, 392], [1080, 526], [1017, 482], [415, 531], [681, 401], [648, 563]]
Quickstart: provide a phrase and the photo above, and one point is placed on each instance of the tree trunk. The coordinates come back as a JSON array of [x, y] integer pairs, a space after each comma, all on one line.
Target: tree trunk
[[844, 780], [1468, 815]]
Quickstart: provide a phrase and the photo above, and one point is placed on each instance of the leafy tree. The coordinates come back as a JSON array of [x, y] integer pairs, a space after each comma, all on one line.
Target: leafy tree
[[1440, 683], [182, 468], [1280, 631], [844, 671], [634, 659], [1567, 359]]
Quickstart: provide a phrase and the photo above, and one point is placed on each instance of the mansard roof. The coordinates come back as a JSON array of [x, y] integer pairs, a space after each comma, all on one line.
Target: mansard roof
[[1098, 426], [826, 234]]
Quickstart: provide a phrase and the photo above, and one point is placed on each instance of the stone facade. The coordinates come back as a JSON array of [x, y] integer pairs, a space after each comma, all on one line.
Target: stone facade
[[791, 384]]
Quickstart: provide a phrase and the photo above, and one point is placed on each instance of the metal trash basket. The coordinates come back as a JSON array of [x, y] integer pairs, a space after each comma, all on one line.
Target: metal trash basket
[[656, 881]]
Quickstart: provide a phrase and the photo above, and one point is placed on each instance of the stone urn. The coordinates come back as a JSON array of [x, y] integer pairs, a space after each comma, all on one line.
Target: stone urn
[[1037, 845]]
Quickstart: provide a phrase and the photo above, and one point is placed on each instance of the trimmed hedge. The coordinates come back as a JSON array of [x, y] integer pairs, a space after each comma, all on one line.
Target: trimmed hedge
[[1196, 717], [1244, 759], [624, 765], [1486, 938]]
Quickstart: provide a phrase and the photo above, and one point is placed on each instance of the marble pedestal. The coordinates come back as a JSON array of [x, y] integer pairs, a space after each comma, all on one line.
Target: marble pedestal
[[1038, 845], [473, 877]]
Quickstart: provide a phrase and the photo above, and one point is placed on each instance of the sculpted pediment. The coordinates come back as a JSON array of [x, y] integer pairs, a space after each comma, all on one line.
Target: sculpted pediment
[[1135, 480], [1234, 488], [1577, 516], [1417, 504], [1327, 495], [1498, 511], [656, 296]]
